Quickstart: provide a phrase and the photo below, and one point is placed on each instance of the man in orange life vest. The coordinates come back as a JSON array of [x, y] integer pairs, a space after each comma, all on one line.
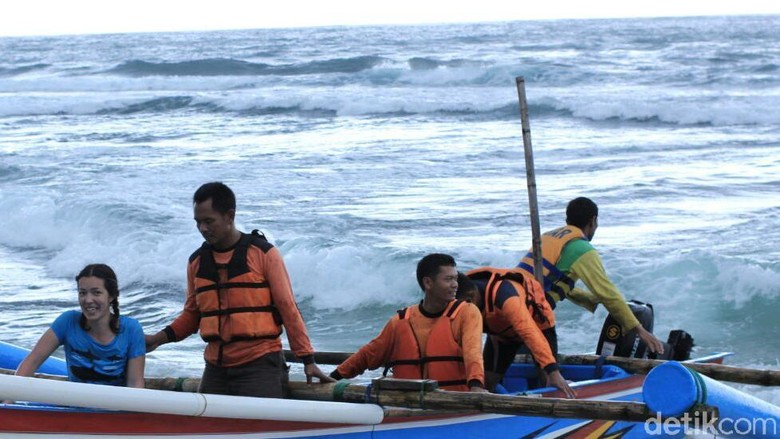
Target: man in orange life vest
[[515, 313], [440, 338], [238, 296], [568, 256]]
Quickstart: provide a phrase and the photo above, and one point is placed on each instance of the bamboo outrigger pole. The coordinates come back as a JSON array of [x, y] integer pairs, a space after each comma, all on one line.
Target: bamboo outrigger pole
[[536, 235], [732, 374], [416, 397]]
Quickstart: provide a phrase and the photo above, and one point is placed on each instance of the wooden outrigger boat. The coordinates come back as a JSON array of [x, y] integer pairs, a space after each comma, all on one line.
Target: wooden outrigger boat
[[612, 396]]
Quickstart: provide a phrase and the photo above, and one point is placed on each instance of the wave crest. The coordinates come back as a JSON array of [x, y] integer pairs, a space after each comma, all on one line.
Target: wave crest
[[14, 71], [204, 67], [234, 67]]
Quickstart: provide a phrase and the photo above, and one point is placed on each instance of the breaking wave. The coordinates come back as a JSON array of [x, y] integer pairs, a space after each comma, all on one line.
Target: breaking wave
[[235, 67]]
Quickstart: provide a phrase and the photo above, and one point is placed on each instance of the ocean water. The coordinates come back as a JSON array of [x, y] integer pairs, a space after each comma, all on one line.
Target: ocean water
[[358, 150]]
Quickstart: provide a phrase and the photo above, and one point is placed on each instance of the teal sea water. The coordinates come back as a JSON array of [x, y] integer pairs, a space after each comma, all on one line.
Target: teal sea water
[[357, 150]]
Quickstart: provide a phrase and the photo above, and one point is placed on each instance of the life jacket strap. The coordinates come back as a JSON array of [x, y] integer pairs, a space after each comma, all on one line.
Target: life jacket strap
[[228, 311], [239, 338], [219, 286], [452, 383], [423, 360]]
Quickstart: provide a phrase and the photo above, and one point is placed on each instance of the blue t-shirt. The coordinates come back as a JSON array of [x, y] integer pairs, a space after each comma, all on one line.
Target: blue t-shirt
[[91, 362]]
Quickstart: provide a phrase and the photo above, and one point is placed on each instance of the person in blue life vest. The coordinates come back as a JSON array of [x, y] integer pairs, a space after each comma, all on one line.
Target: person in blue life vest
[[101, 346], [569, 256]]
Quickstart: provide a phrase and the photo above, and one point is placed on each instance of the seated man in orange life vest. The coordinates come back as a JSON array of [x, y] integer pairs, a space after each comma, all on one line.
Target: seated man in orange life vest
[[515, 314], [439, 339]]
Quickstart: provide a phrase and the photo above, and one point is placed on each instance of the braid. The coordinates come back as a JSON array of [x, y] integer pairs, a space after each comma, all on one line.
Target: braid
[[83, 322], [114, 322]]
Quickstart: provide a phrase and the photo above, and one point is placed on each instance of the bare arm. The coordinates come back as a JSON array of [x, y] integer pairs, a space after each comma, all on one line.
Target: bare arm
[[185, 324], [46, 345], [135, 371], [154, 341]]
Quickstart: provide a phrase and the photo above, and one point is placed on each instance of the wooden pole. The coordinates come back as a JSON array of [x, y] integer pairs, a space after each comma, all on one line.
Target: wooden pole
[[536, 236], [473, 401], [761, 377]]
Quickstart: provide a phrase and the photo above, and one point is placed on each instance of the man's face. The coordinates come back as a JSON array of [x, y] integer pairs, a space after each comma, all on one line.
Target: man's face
[[215, 227], [444, 285], [594, 223]]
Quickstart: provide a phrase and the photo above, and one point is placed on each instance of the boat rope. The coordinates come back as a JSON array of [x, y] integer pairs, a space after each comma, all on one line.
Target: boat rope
[[179, 385], [701, 387], [422, 394], [338, 390], [598, 371], [367, 395]]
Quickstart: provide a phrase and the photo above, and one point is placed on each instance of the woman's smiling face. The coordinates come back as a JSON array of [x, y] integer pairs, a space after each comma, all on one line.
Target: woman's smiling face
[[94, 299]]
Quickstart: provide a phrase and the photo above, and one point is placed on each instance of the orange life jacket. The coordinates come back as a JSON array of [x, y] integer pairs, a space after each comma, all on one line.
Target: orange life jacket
[[557, 284], [526, 287], [443, 358], [234, 302]]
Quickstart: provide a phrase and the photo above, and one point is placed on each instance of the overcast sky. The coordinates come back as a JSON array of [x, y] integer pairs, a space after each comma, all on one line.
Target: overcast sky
[[56, 17]]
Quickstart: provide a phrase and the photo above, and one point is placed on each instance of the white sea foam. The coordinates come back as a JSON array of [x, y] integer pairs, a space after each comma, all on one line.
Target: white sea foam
[[638, 105], [76, 234], [744, 281]]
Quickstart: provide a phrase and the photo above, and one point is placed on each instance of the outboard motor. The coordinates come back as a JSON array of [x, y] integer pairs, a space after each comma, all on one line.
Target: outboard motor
[[681, 344], [613, 342]]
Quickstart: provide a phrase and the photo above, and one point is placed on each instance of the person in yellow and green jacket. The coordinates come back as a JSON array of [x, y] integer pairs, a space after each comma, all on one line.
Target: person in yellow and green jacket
[[568, 256]]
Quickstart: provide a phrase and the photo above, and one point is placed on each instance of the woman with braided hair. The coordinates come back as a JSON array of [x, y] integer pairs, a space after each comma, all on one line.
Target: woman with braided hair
[[101, 346]]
